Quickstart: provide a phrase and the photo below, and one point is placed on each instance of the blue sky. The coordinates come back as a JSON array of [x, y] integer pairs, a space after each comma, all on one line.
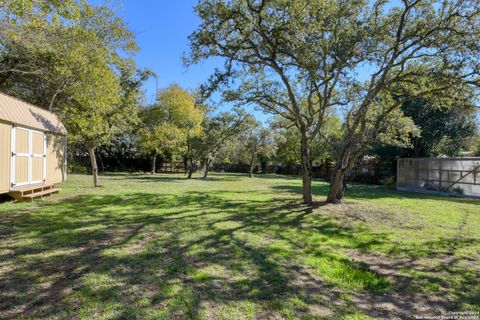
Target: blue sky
[[162, 28]]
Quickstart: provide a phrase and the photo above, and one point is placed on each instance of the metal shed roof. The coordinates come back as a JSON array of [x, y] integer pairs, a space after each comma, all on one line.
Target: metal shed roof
[[25, 114]]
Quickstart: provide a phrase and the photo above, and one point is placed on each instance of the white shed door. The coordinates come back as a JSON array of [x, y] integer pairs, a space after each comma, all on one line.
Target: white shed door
[[29, 157]]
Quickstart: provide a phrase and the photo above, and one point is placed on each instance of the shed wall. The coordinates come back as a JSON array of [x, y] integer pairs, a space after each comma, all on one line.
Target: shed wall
[[56, 158], [5, 146]]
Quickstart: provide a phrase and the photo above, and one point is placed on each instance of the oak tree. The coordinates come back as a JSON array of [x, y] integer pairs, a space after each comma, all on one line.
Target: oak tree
[[301, 59], [168, 123]]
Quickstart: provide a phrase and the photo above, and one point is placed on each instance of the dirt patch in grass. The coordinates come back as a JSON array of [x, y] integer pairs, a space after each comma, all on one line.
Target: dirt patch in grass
[[403, 301]]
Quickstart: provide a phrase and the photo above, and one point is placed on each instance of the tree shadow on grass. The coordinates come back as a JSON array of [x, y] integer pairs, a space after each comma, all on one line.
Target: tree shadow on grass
[[364, 192], [271, 176], [213, 176], [170, 255], [67, 241], [178, 179]]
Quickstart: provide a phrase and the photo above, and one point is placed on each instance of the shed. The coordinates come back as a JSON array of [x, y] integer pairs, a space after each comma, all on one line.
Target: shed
[[33, 146]]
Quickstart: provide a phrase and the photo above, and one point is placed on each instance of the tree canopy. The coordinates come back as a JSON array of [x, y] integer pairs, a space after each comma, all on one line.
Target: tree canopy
[[73, 59], [218, 130], [300, 59], [167, 124]]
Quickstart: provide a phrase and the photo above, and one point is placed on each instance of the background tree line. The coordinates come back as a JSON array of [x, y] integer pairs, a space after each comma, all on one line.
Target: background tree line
[[340, 79]]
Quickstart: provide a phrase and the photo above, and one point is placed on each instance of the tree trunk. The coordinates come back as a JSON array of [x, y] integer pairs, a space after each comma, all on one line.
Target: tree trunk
[[337, 187], [207, 167], [306, 172], [102, 166], [252, 161], [190, 169], [185, 165], [93, 162], [154, 163], [264, 167]]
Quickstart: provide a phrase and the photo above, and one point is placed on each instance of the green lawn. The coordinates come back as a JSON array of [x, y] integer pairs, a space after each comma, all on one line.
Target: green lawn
[[230, 247]]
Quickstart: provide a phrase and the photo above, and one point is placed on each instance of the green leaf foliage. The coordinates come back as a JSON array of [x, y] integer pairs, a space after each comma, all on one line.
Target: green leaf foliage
[[168, 123]]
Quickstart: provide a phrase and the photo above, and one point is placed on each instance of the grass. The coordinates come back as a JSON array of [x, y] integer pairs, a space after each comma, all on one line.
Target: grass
[[230, 247]]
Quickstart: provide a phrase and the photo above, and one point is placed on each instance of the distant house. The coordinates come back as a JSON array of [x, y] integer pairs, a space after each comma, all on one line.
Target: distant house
[[33, 145]]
